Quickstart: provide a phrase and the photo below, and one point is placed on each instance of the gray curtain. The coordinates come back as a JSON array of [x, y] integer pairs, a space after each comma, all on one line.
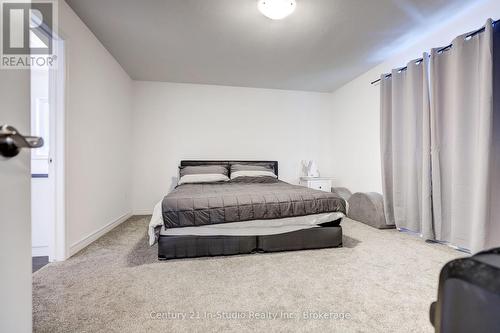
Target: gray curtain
[[386, 147], [464, 152], [440, 139], [405, 148]]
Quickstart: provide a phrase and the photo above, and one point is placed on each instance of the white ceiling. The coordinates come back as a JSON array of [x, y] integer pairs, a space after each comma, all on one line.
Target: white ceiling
[[322, 45]]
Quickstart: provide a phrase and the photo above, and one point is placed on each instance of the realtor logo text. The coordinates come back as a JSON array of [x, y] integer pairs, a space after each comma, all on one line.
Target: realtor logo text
[[27, 34]]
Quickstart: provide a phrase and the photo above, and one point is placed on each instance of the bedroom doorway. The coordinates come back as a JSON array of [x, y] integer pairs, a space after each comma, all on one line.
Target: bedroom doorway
[[48, 235]]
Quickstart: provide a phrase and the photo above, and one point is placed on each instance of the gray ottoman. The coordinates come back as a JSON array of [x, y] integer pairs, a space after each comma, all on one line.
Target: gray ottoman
[[343, 192], [368, 208]]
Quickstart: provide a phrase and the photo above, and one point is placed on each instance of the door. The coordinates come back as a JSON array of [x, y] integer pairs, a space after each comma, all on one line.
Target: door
[[15, 210], [42, 196]]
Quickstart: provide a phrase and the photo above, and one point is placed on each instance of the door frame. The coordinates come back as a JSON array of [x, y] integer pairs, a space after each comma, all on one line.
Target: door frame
[[58, 235], [58, 248]]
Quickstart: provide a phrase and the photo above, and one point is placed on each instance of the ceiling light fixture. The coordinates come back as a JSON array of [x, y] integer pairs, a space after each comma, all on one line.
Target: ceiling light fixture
[[276, 9]]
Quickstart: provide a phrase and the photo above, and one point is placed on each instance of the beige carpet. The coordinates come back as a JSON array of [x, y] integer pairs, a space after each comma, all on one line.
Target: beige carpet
[[380, 281]]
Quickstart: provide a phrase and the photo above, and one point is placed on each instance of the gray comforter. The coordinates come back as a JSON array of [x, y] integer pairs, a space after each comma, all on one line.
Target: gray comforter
[[243, 200]]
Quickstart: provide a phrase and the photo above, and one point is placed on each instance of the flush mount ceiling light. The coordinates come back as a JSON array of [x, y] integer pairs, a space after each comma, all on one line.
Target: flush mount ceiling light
[[276, 9]]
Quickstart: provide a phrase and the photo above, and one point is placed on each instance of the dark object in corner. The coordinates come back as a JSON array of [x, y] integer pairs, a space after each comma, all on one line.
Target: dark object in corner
[[469, 295]]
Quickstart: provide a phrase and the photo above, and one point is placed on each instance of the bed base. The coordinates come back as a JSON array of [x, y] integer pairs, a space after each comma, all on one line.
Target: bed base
[[176, 247]]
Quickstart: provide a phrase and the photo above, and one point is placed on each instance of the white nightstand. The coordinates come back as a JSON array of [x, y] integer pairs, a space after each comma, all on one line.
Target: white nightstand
[[317, 183]]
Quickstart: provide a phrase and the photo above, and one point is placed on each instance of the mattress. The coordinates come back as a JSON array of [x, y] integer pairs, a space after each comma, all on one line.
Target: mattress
[[255, 227], [245, 228], [248, 199]]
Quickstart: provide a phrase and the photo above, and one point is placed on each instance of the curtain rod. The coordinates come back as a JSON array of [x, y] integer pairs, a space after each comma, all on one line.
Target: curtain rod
[[441, 50]]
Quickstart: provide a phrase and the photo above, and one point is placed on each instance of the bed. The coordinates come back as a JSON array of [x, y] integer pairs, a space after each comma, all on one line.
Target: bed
[[244, 215]]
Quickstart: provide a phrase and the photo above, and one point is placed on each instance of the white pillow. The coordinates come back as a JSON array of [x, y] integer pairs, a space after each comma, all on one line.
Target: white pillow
[[252, 173], [203, 178]]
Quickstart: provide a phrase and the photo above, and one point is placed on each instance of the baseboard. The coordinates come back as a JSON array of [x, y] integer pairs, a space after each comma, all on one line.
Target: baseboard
[[86, 241], [39, 251], [142, 212]]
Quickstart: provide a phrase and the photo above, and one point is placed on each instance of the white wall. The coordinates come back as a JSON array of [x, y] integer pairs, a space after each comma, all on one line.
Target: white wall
[[187, 121], [98, 133], [356, 105]]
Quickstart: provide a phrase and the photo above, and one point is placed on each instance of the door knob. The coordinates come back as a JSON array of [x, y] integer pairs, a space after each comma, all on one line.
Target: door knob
[[11, 141]]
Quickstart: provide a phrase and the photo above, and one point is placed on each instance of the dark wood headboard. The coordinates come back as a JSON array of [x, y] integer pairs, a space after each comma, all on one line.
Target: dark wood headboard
[[227, 162]]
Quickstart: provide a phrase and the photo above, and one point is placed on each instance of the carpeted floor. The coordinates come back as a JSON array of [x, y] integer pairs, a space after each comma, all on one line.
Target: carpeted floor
[[380, 281]]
